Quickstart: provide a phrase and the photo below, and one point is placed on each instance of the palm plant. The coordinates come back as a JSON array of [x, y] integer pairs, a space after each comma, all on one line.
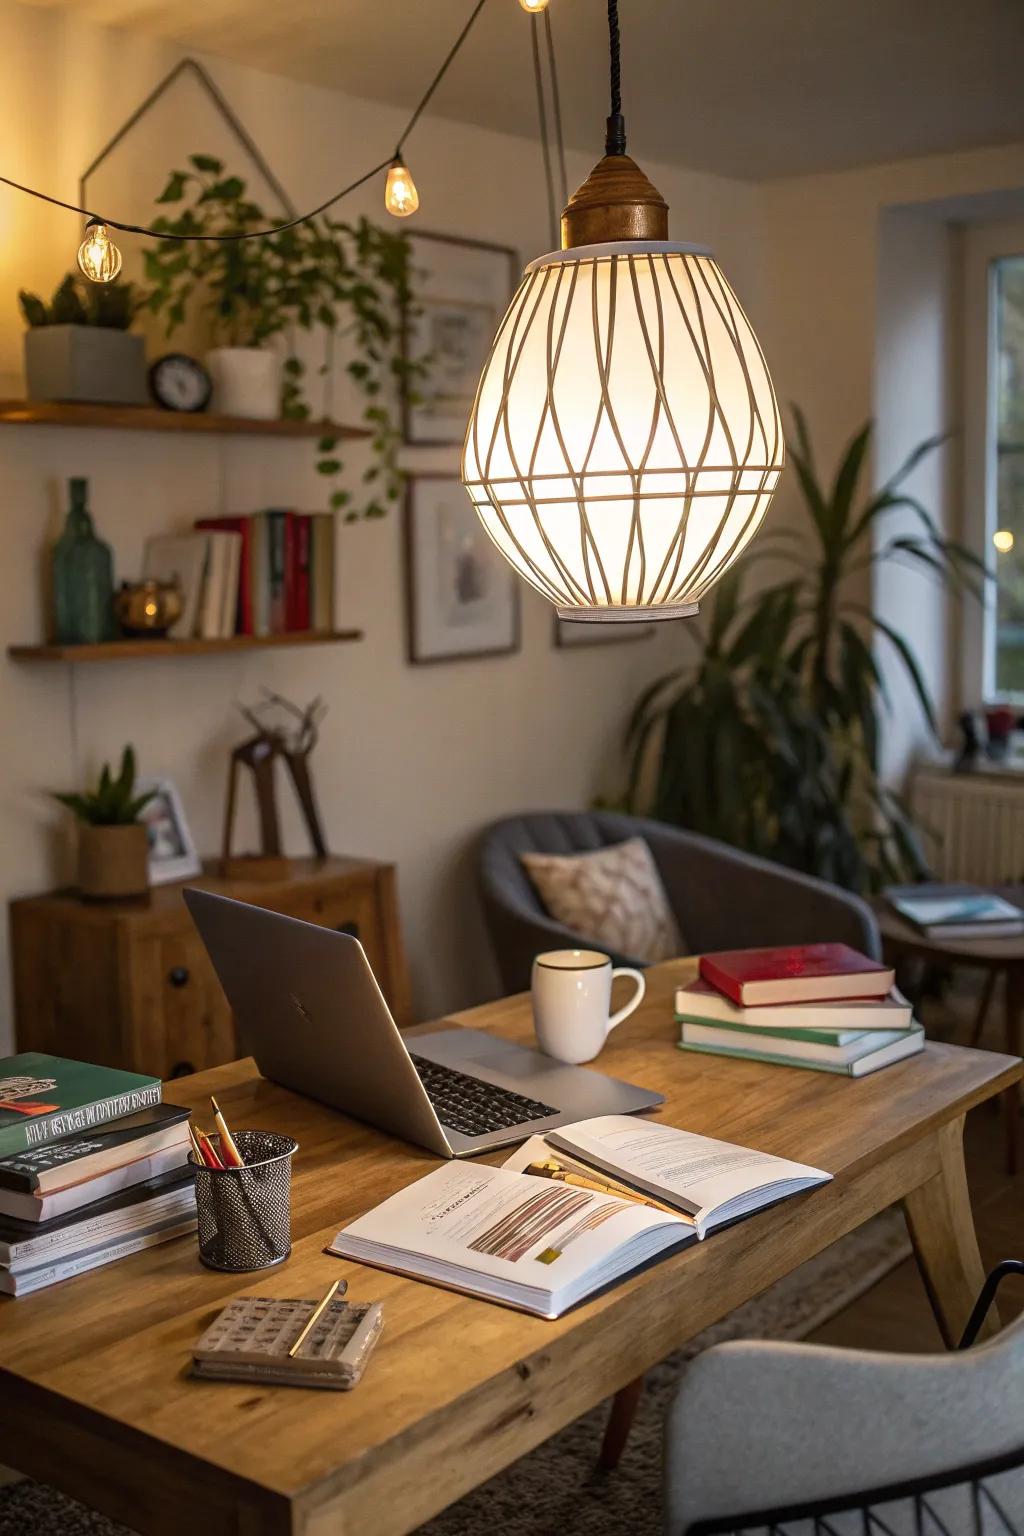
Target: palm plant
[[769, 739]]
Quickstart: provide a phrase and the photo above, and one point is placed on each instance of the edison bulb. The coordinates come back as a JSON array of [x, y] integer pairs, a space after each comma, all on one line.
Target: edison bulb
[[400, 195], [1003, 540], [534, 5], [98, 256]]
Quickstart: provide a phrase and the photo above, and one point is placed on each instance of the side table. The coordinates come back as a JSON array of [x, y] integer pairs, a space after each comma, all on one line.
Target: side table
[[993, 957]]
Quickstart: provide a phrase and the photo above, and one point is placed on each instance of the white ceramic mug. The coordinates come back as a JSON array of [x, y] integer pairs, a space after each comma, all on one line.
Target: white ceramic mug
[[572, 993]]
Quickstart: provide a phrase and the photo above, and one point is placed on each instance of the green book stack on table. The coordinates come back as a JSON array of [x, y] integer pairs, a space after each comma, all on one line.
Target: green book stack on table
[[851, 1035]]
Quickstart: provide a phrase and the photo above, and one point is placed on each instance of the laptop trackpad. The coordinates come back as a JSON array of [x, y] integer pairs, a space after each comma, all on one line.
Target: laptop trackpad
[[471, 1050]]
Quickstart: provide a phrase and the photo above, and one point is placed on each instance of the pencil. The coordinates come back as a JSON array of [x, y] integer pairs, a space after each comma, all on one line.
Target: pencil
[[209, 1152], [318, 1311], [230, 1155]]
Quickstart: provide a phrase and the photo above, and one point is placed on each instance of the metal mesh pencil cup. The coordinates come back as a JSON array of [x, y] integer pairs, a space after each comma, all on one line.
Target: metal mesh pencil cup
[[245, 1213]]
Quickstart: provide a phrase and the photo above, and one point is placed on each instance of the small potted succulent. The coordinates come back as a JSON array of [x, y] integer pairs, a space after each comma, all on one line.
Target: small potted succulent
[[113, 845], [78, 347]]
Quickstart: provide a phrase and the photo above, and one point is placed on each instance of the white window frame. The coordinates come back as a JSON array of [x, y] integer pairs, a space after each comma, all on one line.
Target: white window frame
[[984, 245]]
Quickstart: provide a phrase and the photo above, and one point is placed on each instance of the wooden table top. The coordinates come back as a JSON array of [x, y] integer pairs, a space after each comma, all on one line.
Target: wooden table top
[[100, 1362]]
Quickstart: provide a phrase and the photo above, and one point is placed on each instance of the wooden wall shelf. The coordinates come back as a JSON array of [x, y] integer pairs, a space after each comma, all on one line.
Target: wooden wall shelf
[[139, 650], [145, 418]]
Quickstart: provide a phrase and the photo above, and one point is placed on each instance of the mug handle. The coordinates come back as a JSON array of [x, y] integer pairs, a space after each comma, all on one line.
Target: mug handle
[[635, 1000]]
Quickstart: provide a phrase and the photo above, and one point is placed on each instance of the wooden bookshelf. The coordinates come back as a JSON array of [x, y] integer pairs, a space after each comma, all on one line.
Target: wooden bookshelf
[[147, 418], [143, 650]]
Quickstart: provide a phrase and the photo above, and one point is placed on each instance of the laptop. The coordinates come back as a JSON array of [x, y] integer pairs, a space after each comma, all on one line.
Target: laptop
[[310, 1011]]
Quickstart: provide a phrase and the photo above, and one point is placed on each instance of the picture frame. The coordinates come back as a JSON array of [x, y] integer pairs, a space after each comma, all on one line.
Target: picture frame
[[462, 598], [571, 636], [172, 853], [461, 289]]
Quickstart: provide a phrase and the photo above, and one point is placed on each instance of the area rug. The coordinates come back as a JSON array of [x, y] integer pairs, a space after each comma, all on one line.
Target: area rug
[[556, 1487]]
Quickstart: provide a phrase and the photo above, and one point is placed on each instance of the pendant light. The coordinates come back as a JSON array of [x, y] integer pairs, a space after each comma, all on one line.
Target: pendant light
[[625, 440]]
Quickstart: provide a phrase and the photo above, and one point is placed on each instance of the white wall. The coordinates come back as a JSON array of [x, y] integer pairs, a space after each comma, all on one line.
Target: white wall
[[857, 292], [412, 761]]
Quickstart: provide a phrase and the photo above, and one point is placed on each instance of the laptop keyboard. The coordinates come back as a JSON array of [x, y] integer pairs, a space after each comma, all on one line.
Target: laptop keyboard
[[470, 1105]]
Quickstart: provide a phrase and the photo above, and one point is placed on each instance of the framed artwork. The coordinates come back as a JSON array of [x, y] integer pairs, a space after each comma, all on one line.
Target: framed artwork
[[569, 635], [172, 853], [462, 598], [461, 289]]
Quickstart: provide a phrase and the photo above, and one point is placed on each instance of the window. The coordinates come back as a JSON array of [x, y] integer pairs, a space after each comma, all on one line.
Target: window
[[1005, 475]]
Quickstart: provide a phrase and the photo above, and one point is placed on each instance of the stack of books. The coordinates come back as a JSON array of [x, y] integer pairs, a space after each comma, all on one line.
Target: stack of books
[[956, 911], [93, 1167], [823, 1006], [266, 574]]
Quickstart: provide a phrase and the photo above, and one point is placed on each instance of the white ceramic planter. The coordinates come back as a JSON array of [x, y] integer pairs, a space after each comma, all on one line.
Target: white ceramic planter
[[246, 382]]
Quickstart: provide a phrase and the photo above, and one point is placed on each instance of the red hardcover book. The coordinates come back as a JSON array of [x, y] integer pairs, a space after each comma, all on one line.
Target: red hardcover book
[[801, 973], [303, 539], [243, 525]]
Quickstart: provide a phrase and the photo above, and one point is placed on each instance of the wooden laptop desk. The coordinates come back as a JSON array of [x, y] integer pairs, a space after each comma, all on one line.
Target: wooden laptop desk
[[95, 1394]]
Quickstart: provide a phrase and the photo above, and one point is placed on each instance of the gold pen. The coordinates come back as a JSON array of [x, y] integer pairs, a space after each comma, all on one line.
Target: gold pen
[[550, 1168], [318, 1311]]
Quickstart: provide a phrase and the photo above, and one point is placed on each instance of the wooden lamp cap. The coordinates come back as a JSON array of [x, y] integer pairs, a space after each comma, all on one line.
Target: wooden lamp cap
[[616, 202]]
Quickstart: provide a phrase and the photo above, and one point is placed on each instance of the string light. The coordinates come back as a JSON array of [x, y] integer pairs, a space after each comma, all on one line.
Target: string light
[[100, 259], [98, 256], [400, 195], [534, 5], [1003, 540]]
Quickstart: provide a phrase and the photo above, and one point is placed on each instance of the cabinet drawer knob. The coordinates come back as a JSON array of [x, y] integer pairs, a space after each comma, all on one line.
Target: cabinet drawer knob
[[182, 1069], [178, 976]]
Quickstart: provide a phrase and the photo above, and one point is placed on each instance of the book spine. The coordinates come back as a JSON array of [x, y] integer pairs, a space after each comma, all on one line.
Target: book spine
[[303, 540], [710, 972], [37, 1279], [276, 525], [35, 1130], [243, 619], [291, 571]]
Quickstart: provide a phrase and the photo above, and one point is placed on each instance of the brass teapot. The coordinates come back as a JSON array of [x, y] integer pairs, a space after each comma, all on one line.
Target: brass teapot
[[147, 609]]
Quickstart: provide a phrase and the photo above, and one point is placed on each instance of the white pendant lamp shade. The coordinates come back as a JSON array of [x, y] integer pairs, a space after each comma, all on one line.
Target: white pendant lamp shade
[[625, 440]]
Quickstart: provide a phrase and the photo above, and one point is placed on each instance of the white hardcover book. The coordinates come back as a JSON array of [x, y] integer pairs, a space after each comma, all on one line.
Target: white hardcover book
[[699, 1000], [539, 1235], [92, 1232], [38, 1279]]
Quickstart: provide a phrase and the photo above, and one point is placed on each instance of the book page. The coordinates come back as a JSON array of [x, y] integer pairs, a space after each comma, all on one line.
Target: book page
[[493, 1222], [697, 1171]]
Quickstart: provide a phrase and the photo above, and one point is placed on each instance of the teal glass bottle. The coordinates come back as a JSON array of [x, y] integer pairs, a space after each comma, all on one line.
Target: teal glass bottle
[[83, 577]]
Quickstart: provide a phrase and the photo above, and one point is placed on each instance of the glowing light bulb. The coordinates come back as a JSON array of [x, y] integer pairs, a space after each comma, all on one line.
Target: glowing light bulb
[[534, 5], [400, 195], [1003, 540], [98, 256]]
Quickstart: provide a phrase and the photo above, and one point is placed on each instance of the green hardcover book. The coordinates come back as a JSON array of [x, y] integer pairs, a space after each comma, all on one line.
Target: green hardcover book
[[752, 1032], [43, 1098], [848, 1061]]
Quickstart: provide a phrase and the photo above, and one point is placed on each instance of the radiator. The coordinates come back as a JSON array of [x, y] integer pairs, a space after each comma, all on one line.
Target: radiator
[[972, 825]]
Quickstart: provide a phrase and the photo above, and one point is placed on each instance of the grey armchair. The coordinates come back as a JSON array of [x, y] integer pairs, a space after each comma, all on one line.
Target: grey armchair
[[722, 898]]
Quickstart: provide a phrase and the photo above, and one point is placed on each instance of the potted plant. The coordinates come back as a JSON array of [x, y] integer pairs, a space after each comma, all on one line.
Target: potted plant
[[350, 281], [78, 347], [769, 738], [113, 846]]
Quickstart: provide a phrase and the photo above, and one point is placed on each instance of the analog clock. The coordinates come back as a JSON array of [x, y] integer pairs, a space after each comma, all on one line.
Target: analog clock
[[179, 383]]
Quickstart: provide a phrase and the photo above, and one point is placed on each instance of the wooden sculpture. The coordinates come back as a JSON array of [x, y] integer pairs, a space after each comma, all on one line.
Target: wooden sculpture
[[282, 730]]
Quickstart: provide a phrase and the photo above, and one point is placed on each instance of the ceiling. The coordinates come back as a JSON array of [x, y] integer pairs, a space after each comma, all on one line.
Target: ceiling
[[747, 88]]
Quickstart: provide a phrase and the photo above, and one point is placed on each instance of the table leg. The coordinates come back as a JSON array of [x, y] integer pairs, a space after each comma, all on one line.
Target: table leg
[[942, 1231], [620, 1422], [1011, 1096]]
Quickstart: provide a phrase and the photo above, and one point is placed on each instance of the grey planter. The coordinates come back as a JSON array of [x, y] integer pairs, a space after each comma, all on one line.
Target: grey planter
[[85, 363]]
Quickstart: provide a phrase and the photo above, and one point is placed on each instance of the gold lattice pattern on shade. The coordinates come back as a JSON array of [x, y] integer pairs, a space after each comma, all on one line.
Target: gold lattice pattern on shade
[[626, 440]]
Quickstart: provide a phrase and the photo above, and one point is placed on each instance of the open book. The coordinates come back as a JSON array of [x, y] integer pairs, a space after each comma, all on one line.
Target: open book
[[548, 1229]]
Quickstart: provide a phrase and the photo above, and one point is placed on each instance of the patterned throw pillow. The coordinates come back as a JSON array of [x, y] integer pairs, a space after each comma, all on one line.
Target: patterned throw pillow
[[613, 898]]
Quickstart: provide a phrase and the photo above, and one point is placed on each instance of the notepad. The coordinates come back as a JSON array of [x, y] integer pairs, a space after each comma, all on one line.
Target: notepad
[[251, 1339]]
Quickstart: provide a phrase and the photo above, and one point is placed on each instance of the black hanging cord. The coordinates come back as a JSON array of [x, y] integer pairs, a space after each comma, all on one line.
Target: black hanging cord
[[615, 133], [275, 229]]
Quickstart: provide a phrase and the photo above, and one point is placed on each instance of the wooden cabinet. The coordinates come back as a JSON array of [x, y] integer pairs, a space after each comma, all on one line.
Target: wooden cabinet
[[129, 984]]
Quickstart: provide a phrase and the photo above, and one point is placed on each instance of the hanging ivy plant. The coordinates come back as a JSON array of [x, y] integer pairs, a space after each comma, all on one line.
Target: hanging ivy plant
[[348, 280]]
